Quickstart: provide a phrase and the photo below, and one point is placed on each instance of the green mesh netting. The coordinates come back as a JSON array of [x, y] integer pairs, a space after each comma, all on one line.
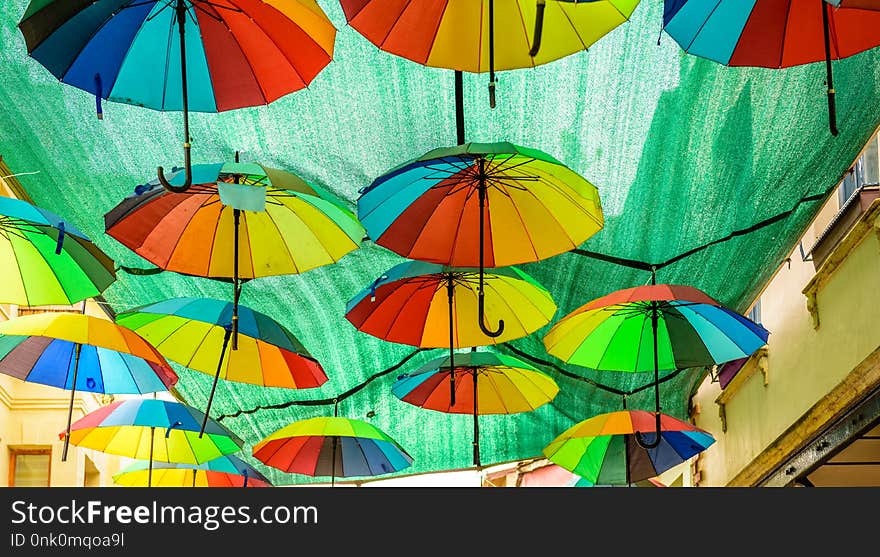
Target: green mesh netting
[[683, 151]]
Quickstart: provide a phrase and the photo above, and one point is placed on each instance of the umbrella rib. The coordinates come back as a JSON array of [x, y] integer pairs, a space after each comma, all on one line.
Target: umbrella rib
[[92, 35], [48, 265], [167, 56], [525, 227], [234, 39], [574, 27], [525, 31], [784, 33], [275, 44], [425, 284], [702, 25], [285, 244]]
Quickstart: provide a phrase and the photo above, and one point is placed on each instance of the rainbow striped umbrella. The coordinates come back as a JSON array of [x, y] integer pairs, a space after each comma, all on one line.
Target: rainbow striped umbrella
[[501, 385], [772, 33], [81, 353], [481, 204], [335, 447], [432, 306], [225, 471], [684, 326], [483, 35], [128, 428], [604, 449], [232, 53], [46, 260], [195, 332], [239, 221]]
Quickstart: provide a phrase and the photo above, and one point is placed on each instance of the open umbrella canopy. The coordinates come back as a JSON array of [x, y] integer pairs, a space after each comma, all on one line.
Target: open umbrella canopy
[[191, 332], [81, 352], [455, 34], [410, 304], [603, 449], [155, 430], [240, 53], [429, 208], [505, 385], [614, 332], [224, 471], [287, 225], [332, 446], [767, 33], [46, 260]]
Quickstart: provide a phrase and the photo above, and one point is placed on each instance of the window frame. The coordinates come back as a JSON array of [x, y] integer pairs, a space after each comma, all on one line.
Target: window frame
[[13, 454]]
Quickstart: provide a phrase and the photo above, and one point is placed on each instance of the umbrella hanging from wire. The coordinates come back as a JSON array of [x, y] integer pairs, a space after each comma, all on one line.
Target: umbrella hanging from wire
[[81, 353], [332, 446], [483, 36], [239, 221], [46, 260], [195, 332], [481, 205], [772, 34], [225, 471], [181, 55], [649, 328], [606, 449], [500, 385], [433, 306], [128, 428]]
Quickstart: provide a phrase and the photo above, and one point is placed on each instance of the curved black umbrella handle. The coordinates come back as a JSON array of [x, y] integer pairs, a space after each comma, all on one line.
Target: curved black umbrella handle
[[641, 441], [539, 27], [187, 168], [481, 305]]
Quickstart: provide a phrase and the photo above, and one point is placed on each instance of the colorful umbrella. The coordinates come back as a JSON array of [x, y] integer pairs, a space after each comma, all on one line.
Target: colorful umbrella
[[127, 428], [431, 306], [240, 53], [335, 447], [501, 385], [478, 36], [685, 326], [46, 260], [772, 33], [605, 449], [238, 221], [81, 353], [481, 204], [225, 471], [195, 332]]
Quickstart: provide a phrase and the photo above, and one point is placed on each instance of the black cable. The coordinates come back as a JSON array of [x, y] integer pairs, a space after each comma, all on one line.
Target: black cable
[[643, 266], [576, 377], [325, 401]]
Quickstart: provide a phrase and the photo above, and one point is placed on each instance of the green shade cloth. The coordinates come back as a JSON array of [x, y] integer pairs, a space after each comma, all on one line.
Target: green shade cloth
[[683, 151]]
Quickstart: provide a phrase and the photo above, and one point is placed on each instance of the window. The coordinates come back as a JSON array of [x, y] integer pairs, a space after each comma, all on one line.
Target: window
[[851, 182], [755, 313], [29, 467]]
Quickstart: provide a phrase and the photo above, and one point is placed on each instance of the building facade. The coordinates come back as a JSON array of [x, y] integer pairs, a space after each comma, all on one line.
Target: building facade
[[803, 410]]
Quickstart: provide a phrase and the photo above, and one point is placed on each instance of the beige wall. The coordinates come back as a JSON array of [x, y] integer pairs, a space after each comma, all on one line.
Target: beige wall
[[803, 363]]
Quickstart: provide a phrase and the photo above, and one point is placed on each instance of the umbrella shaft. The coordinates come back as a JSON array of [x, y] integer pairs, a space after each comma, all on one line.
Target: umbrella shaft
[[214, 385], [236, 216], [181, 27], [450, 293], [150, 472], [476, 423], [72, 396], [459, 107]]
